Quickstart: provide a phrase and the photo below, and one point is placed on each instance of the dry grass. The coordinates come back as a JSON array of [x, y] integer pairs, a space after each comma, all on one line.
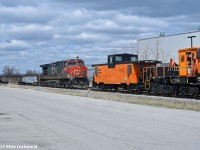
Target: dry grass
[[134, 99]]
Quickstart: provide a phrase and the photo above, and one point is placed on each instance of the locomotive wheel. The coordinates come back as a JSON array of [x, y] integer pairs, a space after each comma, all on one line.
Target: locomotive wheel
[[197, 92], [194, 91], [156, 90], [175, 92], [165, 90], [184, 91]]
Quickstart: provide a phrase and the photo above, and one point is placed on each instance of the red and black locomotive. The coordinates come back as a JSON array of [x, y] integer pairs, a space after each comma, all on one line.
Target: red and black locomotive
[[71, 73]]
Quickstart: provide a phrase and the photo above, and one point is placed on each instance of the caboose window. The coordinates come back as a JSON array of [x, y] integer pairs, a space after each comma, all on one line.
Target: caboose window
[[134, 58], [111, 60], [182, 58], [118, 58]]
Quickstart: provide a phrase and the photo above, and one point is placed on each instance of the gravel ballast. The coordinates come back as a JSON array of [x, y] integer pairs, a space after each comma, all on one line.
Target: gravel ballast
[[158, 101]]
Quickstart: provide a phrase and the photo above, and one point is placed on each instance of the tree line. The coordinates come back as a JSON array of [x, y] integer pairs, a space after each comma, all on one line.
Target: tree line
[[9, 70]]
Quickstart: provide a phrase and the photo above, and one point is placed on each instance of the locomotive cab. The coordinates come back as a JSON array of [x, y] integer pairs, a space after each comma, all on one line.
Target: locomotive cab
[[75, 68], [189, 59]]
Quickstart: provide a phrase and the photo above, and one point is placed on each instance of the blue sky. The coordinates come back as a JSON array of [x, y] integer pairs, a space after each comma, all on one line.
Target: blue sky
[[34, 32]]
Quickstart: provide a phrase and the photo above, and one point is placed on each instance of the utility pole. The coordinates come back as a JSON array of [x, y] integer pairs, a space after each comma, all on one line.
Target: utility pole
[[191, 37]]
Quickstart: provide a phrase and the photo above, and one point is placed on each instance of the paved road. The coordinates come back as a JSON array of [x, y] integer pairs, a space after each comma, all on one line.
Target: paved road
[[60, 122]]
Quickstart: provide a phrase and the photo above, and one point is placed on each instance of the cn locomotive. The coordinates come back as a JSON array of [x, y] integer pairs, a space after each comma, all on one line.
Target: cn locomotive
[[71, 73], [154, 77]]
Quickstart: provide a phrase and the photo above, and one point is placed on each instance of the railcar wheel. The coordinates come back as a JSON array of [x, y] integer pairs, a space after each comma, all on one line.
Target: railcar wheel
[[101, 87], [193, 91], [116, 88], [175, 92], [156, 90], [197, 91], [131, 89], [165, 90], [184, 91]]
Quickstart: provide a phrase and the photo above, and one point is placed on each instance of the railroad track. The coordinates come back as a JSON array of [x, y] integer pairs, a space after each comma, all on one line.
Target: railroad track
[[126, 92]]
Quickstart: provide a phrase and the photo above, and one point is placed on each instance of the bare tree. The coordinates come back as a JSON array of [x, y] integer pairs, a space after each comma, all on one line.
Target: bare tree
[[31, 72], [165, 55], [133, 47], [157, 50], [7, 70], [146, 52], [114, 50], [159, 53], [127, 48]]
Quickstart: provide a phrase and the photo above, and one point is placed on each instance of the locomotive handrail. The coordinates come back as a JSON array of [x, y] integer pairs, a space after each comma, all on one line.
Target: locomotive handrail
[[187, 70]]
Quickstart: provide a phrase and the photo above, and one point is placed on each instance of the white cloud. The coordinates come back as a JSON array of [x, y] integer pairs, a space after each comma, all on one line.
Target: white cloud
[[44, 31], [13, 45]]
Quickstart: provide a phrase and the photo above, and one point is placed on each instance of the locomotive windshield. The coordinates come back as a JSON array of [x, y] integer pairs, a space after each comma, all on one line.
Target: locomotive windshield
[[74, 63], [71, 63], [80, 63]]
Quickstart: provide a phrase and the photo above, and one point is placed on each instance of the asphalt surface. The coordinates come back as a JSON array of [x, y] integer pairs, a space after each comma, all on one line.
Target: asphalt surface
[[61, 122]]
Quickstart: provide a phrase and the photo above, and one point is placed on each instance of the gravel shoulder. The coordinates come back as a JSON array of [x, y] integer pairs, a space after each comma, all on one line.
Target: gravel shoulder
[[157, 101]]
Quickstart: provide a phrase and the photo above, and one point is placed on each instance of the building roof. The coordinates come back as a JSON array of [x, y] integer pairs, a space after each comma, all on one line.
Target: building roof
[[197, 31]]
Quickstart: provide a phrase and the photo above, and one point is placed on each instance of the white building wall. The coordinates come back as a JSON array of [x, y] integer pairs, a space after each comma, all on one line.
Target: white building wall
[[167, 46]]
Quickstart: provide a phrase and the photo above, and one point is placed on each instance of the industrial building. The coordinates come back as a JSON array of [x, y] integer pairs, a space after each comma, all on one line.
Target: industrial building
[[165, 47]]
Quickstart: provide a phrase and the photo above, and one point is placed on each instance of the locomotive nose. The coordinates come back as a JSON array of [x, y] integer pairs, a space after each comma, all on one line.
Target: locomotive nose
[[79, 72]]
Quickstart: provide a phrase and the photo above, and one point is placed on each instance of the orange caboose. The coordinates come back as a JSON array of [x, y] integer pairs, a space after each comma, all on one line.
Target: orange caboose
[[122, 71]]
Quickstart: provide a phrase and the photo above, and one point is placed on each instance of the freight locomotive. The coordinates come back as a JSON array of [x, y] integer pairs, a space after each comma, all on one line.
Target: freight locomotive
[[71, 73], [126, 72], [182, 80]]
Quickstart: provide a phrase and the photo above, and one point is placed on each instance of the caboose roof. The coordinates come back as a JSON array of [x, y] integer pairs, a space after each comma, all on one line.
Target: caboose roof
[[124, 54], [153, 62]]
